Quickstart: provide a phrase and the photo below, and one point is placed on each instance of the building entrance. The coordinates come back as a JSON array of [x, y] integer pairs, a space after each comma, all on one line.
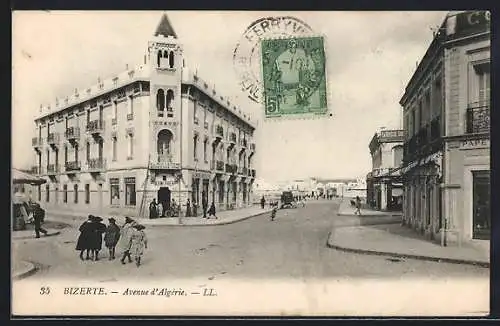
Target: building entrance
[[481, 217], [164, 197]]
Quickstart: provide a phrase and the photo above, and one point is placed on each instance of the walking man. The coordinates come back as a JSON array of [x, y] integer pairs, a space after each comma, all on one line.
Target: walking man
[[358, 206], [262, 202], [38, 216]]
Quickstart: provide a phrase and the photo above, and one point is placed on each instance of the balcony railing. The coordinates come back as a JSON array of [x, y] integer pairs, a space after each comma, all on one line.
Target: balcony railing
[[229, 168], [243, 142], [205, 125], [219, 166], [252, 171], [72, 133], [244, 171], [234, 168], [96, 164], [37, 141], [252, 147], [130, 116], [52, 169], [114, 121], [95, 126], [219, 131], [164, 162], [426, 141], [53, 138], [478, 119], [72, 166], [35, 170]]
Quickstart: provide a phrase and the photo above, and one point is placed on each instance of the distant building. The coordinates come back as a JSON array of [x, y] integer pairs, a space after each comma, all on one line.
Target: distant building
[[156, 131], [384, 185], [446, 108]]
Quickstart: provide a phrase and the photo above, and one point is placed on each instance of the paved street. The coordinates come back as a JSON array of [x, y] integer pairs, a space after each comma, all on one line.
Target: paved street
[[293, 246]]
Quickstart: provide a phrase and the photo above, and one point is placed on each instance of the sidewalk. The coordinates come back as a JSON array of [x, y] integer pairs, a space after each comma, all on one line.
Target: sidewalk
[[224, 217], [399, 241], [30, 234], [345, 209], [22, 269]]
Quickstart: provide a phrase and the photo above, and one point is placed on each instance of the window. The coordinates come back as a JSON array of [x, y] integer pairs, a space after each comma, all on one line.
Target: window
[[87, 193], [88, 151], [130, 146], [195, 147], [48, 159], [114, 186], [195, 111], [484, 87], [114, 147], [47, 193], [160, 102], [65, 193], [130, 191], [115, 111], [205, 145], [171, 59], [65, 154], [437, 98], [158, 58], [75, 191], [39, 193], [170, 104], [131, 105]]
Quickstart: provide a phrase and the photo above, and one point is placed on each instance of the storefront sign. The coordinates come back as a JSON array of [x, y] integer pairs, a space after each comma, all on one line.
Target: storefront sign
[[475, 143], [468, 23], [167, 182], [201, 175], [165, 123]]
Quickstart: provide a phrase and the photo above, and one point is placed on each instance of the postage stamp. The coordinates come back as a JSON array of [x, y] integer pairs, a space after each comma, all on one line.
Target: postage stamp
[[246, 59], [294, 76]]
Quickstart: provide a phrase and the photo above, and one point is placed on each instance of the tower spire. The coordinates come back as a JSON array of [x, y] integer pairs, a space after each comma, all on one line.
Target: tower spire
[[164, 28]]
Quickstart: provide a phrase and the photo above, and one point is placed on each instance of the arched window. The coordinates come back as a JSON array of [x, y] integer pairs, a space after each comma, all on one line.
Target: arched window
[[159, 58], [170, 100], [163, 144], [171, 59], [160, 100]]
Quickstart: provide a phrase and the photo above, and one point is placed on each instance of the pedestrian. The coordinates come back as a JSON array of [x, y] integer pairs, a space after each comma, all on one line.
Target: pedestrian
[[83, 242], [111, 237], [262, 202], [138, 242], [159, 209], [153, 212], [38, 217], [358, 206], [211, 211], [188, 208], [204, 204], [273, 212], [97, 229], [124, 242]]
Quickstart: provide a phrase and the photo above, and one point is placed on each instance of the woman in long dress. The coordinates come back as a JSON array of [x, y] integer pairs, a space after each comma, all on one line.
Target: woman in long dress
[[111, 237], [138, 242], [83, 243]]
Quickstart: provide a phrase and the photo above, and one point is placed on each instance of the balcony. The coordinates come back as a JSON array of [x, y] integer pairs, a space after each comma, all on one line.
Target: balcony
[[229, 168], [95, 127], [244, 171], [72, 134], [427, 141], [72, 166], [219, 166], [478, 119], [219, 132], [114, 121], [37, 142], [234, 168], [195, 120], [96, 165], [53, 139], [252, 173], [164, 162], [252, 147], [130, 116], [205, 125], [52, 169], [243, 143]]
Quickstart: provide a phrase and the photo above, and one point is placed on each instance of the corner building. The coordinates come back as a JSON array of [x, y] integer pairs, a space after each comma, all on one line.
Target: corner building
[[157, 131], [446, 157]]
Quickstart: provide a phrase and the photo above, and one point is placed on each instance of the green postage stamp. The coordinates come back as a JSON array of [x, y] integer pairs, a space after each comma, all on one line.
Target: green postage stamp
[[294, 76]]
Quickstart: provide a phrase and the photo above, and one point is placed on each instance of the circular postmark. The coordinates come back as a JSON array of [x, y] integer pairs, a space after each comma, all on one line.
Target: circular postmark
[[246, 60]]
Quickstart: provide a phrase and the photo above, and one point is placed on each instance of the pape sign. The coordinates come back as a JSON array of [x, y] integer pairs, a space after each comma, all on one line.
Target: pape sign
[[475, 143]]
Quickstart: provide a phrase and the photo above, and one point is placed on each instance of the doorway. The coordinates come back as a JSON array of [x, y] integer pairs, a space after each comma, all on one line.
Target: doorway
[[481, 214], [164, 197]]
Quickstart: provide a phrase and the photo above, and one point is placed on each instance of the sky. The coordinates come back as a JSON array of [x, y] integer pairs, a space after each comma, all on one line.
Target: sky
[[370, 57]]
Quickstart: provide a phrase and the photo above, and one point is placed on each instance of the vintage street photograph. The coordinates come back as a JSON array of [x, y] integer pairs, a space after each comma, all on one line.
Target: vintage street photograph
[[251, 163]]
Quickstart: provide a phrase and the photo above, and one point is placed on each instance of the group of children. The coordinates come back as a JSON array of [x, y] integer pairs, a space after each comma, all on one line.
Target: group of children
[[130, 239]]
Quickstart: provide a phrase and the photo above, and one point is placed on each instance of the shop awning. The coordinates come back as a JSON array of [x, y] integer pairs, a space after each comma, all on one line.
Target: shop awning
[[20, 177]]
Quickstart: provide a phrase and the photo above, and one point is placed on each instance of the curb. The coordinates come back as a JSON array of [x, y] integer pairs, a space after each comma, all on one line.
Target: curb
[[28, 272], [371, 215], [50, 234], [411, 256], [186, 225]]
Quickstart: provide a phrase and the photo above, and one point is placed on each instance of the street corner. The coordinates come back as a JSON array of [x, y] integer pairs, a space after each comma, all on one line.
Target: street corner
[[22, 269]]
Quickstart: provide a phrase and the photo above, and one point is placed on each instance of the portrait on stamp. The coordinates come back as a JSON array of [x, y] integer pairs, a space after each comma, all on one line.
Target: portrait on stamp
[[294, 78]]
